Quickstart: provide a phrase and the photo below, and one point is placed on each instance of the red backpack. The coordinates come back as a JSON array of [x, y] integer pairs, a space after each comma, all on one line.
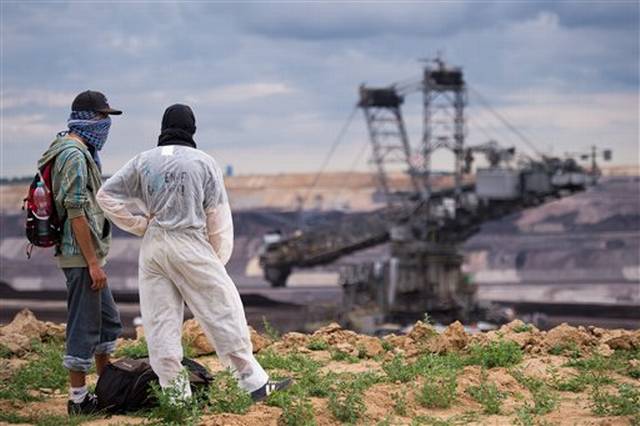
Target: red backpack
[[42, 231]]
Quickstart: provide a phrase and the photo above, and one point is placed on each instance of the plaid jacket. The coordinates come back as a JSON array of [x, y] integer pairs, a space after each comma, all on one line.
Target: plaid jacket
[[76, 180]]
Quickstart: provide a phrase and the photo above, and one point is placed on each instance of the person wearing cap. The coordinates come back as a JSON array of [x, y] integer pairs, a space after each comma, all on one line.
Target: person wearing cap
[[93, 320], [188, 238]]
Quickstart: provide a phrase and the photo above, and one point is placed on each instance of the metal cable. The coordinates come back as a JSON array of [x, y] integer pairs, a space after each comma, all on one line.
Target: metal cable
[[354, 163], [334, 145], [504, 121]]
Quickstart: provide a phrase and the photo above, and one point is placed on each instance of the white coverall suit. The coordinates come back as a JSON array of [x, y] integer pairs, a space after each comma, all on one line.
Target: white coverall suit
[[186, 244]]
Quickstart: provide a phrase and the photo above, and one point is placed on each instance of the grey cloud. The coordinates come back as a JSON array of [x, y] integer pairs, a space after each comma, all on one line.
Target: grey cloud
[[322, 21], [145, 56]]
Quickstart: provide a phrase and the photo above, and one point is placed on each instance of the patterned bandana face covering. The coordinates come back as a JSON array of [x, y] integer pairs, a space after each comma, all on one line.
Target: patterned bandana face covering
[[94, 131]]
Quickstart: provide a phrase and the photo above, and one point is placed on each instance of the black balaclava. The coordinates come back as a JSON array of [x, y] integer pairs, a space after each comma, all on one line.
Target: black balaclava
[[178, 126]]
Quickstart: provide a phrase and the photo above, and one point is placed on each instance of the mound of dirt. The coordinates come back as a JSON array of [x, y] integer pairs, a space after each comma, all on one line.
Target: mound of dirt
[[194, 335], [564, 334], [517, 389], [452, 339], [18, 336]]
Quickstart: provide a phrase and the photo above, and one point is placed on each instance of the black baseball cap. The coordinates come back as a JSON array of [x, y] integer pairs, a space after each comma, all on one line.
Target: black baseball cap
[[93, 101]]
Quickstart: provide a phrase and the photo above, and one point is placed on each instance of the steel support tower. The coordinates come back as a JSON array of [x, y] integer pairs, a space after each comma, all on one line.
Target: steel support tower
[[444, 99], [389, 140]]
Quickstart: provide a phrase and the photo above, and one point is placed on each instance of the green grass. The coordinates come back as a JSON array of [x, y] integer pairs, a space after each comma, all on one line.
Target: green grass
[[427, 364], [439, 391], [315, 383], [400, 402], [269, 330], [294, 362], [363, 381], [456, 420], [399, 370], [501, 353], [225, 396], [523, 328], [570, 349], [317, 344], [296, 411], [619, 363], [45, 419], [171, 409], [545, 399], [43, 370], [625, 402], [346, 403], [337, 355], [488, 395], [579, 382], [137, 349], [5, 352], [524, 416]]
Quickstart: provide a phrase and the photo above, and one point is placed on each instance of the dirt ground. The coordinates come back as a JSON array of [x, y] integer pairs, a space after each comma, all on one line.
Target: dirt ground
[[546, 356]]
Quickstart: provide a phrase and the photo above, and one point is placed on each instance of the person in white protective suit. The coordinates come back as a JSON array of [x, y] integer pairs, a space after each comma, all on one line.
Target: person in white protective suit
[[188, 238]]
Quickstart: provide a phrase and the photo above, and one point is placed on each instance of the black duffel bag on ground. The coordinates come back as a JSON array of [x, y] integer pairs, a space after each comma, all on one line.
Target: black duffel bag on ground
[[125, 385]]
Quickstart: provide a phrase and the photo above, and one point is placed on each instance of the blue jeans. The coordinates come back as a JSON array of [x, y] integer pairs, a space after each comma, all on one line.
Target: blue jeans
[[93, 321]]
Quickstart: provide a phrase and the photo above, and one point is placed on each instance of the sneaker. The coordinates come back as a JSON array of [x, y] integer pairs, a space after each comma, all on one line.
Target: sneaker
[[89, 405], [270, 387]]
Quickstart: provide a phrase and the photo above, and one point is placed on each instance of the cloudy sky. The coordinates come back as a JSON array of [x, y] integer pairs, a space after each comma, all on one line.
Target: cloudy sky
[[272, 83]]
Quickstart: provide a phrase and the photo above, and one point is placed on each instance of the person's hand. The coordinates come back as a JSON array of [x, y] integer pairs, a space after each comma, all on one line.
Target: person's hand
[[98, 278]]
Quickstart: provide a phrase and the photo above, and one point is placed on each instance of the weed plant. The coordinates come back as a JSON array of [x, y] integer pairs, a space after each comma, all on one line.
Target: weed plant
[[297, 411], [225, 396], [439, 391], [399, 370], [346, 404], [363, 381], [294, 362], [317, 344], [44, 419], [625, 403], [316, 383], [523, 328], [488, 395], [570, 349], [544, 398], [578, 383], [400, 403], [137, 349], [524, 416], [501, 353], [269, 330], [5, 352], [457, 420], [171, 408], [337, 355], [619, 362]]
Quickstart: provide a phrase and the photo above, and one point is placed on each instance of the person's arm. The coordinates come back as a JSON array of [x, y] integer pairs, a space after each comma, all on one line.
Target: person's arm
[[218, 212], [83, 237], [220, 231], [74, 187], [113, 195]]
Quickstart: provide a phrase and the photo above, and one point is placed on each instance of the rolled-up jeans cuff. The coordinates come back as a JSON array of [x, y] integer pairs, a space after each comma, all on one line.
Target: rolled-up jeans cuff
[[106, 347], [74, 363]]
